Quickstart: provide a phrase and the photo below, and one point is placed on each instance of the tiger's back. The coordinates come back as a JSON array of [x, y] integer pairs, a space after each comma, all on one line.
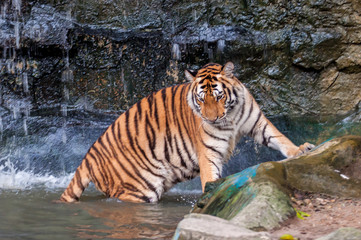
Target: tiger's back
[[176, 134]]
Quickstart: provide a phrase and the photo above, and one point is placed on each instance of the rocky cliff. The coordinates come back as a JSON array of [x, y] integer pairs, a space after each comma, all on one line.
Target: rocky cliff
[[297, 57]]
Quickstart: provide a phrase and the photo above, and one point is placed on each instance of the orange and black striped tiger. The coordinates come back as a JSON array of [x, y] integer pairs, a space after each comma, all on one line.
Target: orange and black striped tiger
[[176, 134]]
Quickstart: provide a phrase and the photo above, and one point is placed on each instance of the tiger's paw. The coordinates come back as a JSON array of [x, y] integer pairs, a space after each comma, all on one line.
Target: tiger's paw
[[305, 148], [297, 151]]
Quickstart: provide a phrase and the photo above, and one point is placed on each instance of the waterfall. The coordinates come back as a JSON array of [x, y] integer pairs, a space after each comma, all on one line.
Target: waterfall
[[25, 82], [1, 126], [221, 44], [17, 5], [176, 53], [30, 145], [3, 10]]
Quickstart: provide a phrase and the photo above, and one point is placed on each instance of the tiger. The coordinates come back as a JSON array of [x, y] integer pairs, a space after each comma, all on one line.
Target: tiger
[[176, 134]]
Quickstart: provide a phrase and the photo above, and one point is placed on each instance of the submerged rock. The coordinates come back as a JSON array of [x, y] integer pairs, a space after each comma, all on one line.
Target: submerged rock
[[258, 197]]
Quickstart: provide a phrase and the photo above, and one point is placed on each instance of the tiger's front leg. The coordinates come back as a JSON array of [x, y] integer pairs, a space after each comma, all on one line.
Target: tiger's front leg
[[210, 169], [267, 134], [287, 148]]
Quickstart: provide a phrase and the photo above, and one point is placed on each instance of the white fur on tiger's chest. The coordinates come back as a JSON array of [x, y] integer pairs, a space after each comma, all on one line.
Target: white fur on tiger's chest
[[220, 140]]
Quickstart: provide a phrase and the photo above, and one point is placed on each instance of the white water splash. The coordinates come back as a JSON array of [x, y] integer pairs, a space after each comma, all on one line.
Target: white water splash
[[10, 178], [178, 190]]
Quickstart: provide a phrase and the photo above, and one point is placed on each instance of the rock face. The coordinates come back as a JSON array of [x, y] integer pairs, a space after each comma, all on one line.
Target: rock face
[[297, 57], [257, 198], [333, 168]]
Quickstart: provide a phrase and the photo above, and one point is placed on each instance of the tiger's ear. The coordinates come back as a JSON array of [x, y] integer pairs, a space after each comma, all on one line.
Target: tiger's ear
[[228, 69], [190, 75]]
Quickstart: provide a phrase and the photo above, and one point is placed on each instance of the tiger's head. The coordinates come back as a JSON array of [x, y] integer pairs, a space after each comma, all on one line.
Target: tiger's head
[[213, 92]]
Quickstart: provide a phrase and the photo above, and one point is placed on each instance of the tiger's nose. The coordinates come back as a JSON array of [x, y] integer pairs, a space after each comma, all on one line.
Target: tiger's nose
[[218, 117]]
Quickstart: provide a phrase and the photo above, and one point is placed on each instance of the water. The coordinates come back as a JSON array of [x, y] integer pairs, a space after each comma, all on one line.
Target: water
[[32, 214], [25, 82], [36, 167], [39, 153], [17, 35], [221, 44], [1, 126], [176, 53]]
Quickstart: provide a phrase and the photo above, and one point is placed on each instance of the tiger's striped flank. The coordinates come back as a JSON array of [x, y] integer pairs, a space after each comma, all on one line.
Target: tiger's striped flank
[[174, 135]]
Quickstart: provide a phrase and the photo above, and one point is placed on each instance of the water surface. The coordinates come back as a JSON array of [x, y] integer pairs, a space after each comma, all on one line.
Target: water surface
[[33, 214]]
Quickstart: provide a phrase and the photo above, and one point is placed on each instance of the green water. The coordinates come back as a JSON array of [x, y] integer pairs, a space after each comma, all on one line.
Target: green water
[[33, 214]]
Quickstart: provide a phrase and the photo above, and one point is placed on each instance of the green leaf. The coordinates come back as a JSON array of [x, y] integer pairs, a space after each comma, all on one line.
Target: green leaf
[[301, 215], [287, 237]]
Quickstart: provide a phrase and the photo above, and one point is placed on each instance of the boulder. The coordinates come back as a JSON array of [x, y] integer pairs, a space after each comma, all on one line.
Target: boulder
[[201, 226], [258, 197], [248, 201], [333, 168]]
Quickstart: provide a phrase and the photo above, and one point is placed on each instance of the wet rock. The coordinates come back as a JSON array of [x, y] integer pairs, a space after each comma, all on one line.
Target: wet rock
[[333, 168], [350, 59], [248, 200], [318, 49], [280, 49], [340, 91], [268, 209], [343, 234], [200, 226], [258, 197], [47, 26]]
